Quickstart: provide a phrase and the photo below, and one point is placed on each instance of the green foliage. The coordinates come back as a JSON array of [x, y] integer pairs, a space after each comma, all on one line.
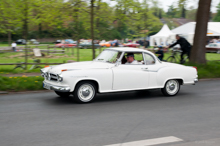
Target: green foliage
[[209, 70], [217, 16], [71, 19], [191, 13], [172, 12], [23, 83]]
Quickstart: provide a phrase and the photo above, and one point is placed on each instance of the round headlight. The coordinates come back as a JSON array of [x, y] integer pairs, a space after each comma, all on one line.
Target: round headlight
[[60, 78], [42, 73]]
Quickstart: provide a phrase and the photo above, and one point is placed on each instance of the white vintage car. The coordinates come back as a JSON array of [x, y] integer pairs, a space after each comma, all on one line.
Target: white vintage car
[[110, 73]]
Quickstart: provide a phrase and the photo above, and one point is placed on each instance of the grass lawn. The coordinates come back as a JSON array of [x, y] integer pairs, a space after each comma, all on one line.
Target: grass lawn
[[17, 57], [85, 55]]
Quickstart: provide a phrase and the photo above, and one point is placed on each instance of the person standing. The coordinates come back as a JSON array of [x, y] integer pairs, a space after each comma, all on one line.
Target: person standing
[[14, 45], [184, 46], [160, 53]]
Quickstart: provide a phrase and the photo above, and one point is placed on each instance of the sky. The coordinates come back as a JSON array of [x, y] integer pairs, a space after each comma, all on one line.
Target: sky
[[166, 3]]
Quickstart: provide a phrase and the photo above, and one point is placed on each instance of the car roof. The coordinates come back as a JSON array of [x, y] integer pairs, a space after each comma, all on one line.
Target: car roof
[[129, 49]]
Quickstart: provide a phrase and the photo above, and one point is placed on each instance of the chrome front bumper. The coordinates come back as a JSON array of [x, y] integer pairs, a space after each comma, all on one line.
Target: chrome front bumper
[[56, 88]]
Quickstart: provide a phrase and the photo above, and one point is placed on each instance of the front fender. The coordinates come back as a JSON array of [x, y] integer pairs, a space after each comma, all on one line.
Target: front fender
[[103, 77]]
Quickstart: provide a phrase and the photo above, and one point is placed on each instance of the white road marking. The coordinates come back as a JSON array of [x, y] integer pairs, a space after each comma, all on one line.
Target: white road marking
[[149, 142]]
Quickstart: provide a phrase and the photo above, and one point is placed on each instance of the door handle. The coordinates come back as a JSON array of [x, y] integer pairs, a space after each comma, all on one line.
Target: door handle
[[144, 68]]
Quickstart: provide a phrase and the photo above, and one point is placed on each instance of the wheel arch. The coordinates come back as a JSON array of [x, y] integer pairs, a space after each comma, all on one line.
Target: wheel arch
[[180, 80], [89, 80]]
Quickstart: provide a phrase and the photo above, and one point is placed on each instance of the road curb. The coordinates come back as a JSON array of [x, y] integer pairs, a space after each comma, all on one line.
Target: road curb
[[24, 92], [3, 92], [209, 79]]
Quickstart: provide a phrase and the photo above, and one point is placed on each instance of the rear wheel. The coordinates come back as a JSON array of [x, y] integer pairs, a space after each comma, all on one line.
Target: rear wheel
[[85, 92], [171, 59], [63, 94], [171, 88]]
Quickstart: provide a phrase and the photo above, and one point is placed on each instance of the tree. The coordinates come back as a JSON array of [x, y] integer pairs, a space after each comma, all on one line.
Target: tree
[[172, 11], [191, 13], [182, 8], [217, 16], [202, 17], [8, 18]]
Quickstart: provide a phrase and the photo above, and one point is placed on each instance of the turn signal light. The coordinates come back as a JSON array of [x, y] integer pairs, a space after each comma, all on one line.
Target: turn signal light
[[63, 70]]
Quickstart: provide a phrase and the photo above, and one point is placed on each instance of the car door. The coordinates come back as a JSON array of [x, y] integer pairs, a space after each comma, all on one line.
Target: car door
[[130, 76]]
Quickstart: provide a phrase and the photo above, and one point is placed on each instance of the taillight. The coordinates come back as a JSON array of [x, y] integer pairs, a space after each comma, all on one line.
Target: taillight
[[195, 68]]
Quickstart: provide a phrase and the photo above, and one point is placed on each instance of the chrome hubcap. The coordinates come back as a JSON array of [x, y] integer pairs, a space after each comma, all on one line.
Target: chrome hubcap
[[86, 92], [172, 87]]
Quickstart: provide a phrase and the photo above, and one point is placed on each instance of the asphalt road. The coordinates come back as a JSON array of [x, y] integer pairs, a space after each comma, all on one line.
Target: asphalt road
[[43, 119]]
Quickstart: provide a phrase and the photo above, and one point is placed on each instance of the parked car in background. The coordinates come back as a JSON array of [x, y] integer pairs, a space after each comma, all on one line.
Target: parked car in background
[[57, 42], [109, 73], [34, 42], [134, 45], [105, 44], [21, 42], [71, 41], [213, 47], [65, 45], [86, 45]]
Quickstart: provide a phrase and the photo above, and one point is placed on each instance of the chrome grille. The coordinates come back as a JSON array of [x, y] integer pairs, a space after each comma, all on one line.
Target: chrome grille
[[53, 77]]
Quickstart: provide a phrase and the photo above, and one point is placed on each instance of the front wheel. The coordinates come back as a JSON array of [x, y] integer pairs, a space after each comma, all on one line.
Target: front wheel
[[171, 88], [63, 94], [85, 92]]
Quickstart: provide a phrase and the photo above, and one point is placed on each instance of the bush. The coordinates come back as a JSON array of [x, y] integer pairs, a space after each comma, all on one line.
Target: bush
[[209, 70]]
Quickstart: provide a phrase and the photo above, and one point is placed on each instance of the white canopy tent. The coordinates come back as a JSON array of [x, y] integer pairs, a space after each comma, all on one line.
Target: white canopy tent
[[188, 30], [164, 36]]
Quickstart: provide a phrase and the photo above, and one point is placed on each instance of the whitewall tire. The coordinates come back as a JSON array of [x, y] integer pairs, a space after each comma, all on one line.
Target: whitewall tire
[[85, 92], [171, 88]]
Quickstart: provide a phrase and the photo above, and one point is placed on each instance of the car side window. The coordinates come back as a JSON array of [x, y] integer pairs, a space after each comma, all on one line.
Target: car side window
[[149, 60], [137, 58]]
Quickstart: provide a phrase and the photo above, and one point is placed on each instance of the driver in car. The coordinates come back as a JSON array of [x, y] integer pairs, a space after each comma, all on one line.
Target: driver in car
[[130, 59]]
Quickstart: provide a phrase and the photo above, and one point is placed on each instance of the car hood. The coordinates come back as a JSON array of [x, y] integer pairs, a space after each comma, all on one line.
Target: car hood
[[79, 66]]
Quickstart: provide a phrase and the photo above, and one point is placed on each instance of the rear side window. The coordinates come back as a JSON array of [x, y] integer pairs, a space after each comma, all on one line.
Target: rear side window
[[149, 60]]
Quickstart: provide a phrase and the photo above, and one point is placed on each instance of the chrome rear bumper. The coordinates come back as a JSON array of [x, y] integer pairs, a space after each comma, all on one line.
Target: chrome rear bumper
[[195, 80]]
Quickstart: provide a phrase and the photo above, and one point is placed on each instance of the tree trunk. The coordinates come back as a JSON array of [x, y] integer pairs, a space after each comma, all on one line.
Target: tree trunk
[[9, 38], [25, 26], [97, 19], [183, 14], [92, 31], [40, 30], [198, 51]]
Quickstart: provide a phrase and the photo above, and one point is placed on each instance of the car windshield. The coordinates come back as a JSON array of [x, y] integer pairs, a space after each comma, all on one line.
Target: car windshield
[[109, 56]]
